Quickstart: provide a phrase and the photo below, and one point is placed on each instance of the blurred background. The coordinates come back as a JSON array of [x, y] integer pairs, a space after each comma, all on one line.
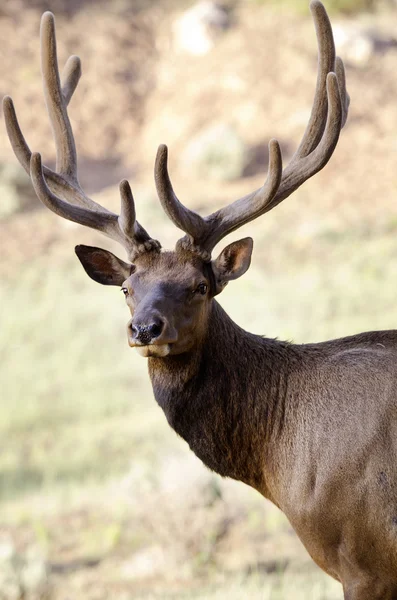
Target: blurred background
[[98, 497]]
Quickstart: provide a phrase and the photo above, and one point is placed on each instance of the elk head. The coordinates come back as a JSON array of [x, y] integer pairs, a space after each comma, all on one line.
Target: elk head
[[170, 293]]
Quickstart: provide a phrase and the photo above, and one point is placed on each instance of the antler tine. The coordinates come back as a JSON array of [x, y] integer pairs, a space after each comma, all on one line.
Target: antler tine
[[326, 64], [15, 135], [78, 214], [187, 220], [127, 218], [128, 224], [299, 170], [60, 191], [66, 163], [70, 76], [345, 98]]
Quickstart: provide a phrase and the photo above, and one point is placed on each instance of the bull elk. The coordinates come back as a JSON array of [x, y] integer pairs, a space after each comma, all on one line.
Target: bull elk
[[312, 427]]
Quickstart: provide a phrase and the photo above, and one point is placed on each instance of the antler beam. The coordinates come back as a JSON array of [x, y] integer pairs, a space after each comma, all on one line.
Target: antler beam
[[60, 190], [328, 116]]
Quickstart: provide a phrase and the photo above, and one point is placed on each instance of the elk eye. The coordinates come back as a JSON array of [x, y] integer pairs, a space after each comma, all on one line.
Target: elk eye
[[202, 289], [125, 291]]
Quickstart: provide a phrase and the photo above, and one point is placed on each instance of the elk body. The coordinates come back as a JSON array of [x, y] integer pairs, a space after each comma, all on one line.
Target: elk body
[[312, 427]]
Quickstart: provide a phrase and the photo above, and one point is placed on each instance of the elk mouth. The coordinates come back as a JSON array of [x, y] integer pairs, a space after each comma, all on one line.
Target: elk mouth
[[153, 350]]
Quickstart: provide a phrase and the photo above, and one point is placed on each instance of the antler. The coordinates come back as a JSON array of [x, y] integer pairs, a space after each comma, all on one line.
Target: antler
[[60, 190], [327, 118]]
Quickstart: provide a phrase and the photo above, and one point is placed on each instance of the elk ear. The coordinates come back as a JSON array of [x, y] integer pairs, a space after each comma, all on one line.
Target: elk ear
[[232, 262], [103, 266]]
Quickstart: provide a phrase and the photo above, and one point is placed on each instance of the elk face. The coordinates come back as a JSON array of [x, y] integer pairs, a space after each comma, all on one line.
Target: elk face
[[169, 294]]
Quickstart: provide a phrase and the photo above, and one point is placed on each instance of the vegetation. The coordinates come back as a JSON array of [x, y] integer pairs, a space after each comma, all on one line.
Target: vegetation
[[333, 6]]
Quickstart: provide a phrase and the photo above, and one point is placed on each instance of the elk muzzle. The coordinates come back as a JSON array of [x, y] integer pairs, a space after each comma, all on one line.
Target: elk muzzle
[[146, 333], [151, 336]]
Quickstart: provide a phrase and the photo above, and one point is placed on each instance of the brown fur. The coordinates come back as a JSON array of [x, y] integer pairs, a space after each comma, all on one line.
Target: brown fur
[[312, 427]]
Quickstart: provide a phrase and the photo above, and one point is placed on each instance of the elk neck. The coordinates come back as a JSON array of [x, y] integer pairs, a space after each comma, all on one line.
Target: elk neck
[[230, 398]]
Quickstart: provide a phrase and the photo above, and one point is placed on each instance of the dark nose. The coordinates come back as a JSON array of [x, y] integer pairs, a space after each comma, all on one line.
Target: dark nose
[[147, 333]]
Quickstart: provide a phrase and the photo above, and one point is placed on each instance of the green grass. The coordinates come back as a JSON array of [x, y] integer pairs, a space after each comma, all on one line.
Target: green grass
[[299, 586], [72, 393]]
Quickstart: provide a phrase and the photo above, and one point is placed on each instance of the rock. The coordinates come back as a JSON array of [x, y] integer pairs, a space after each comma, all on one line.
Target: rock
[[9, 584], [218, 153], [34, 577], [356, 45], [22, 576], [197, 29], [149, 562]]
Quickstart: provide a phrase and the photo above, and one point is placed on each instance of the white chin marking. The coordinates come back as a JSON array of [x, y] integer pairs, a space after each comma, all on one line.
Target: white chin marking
[[153, 350]]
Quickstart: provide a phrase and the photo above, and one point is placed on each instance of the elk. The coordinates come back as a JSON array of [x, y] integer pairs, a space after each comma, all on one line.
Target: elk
[[312, 427]]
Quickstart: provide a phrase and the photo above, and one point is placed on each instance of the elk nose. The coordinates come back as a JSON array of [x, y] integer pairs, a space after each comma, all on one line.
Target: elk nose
[[147, 333]]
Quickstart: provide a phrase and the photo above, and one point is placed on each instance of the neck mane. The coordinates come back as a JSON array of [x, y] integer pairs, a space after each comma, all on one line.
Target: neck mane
[[227, 398]]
